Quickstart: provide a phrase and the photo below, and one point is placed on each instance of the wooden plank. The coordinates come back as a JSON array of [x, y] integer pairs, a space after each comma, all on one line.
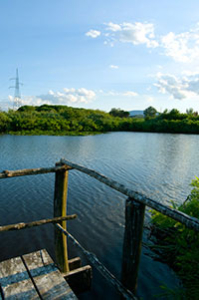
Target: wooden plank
[[188, 221], [46, 276], [15, 281], [74, 263], [132, 245], [80, 279]]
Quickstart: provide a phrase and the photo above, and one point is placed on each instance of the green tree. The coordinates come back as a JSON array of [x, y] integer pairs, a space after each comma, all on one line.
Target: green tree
[[189, 111], [174, 114], [117, 112], [150, 112]]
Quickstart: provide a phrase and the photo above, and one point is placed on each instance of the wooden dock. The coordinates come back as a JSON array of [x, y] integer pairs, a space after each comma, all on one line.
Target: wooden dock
[[33, 276]]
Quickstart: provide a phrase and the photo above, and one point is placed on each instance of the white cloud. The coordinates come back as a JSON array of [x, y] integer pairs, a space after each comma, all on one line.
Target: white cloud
[[183, 47], [93, 33], [34, 100], [113, 27], [190, 73], [119, 94], [69, 96], [113, 67], [10, 98], [178, 88], [136, 33], [130, 94], [193, 86]]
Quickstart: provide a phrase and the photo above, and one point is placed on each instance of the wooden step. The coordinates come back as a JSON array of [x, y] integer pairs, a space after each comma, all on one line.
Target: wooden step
[[33, 276]]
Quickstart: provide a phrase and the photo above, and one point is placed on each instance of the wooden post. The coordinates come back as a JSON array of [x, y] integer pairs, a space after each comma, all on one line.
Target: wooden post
[[134, 215], [61, 253]]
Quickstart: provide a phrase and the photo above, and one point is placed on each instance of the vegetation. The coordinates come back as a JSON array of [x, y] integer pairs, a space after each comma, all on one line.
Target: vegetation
[[57, 120], [117, 112], [150, 112], [62, 120], [178, 246]]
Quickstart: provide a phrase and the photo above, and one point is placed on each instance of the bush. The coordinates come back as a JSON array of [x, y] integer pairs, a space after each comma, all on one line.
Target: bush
[[178, 246]]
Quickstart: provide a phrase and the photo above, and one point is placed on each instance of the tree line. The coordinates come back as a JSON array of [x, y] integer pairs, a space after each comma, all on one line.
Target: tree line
[[63, 120]]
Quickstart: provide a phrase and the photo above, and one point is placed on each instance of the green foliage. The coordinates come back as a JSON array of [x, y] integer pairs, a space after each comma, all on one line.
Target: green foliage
[[178, 246], [150, 112], [4, 122], [117, 112], [57, 120], [27, 108], [62, 120]]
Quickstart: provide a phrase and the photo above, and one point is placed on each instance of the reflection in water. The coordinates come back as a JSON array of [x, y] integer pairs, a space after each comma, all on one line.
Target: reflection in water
[[158, 165]]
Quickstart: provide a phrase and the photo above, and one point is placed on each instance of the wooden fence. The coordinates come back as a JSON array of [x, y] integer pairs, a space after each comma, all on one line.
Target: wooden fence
[[134, 221]]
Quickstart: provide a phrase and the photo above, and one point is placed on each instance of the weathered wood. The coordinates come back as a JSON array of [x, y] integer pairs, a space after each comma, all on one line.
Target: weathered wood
[[61, 252], [126, 294], [15, 281], [47, 278], [20, 226], [134, 217], [80, 279], [74, 263], [24, 172], [188, 221]]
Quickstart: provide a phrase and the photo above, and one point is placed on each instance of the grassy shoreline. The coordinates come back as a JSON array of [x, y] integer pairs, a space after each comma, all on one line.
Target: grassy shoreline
[[50, 133]]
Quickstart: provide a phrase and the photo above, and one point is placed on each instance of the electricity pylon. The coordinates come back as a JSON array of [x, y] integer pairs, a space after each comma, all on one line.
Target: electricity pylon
[[17, 95]]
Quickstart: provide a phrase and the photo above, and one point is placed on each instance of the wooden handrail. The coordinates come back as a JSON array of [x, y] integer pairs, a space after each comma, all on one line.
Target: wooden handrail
[[24, 172], [20, 226], [188, 221], [134, 218]]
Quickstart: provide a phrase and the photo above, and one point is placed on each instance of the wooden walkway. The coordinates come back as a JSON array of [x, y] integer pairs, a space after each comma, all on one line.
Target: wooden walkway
[[33, 276], [22, 278]]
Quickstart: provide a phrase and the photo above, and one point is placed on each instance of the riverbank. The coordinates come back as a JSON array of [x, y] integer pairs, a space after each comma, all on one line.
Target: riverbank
[[51, 133]]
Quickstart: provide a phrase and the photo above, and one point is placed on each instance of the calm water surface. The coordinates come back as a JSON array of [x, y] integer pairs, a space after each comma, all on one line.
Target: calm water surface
[[158, 165]]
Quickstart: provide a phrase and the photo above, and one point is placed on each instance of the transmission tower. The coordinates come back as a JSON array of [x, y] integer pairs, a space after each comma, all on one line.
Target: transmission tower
[[17, 95]]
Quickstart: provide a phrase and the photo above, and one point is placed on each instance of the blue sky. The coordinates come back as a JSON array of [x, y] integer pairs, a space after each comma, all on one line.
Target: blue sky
[[127, 54]]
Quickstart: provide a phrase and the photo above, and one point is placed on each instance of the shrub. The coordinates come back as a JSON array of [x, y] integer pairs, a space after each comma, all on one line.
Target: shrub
[[178, 246]]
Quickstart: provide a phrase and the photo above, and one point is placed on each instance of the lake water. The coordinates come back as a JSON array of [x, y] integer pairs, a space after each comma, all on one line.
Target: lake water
[[158, 165]]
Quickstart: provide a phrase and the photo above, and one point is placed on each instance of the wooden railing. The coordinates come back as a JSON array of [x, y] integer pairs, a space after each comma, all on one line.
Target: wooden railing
[[134, 220]]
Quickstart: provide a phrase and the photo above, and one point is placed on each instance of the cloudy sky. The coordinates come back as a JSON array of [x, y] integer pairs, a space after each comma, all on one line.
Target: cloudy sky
[[126, 54]]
